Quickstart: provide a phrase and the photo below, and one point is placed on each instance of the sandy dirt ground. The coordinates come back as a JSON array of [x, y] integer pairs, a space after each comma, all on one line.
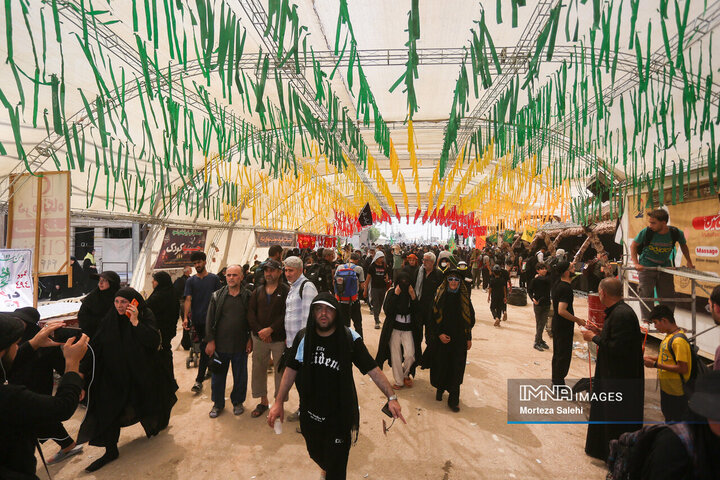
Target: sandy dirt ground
[[476, 443]]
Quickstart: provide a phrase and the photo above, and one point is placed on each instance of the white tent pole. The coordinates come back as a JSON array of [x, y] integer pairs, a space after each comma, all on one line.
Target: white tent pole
[[143, 265]]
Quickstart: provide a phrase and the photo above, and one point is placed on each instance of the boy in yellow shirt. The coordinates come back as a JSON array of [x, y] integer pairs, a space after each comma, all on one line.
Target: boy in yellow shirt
[[674, 364]]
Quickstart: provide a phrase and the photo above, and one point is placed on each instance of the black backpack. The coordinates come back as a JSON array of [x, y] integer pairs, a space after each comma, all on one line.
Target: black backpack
[[317, 273], [628, 453], [649, 234], [697, 366]]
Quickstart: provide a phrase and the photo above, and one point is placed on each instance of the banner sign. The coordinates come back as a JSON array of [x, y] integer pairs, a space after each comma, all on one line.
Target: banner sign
[[16, 279], [306, 241], [700, 222], [177, 246], [268, 239], [47, 227]]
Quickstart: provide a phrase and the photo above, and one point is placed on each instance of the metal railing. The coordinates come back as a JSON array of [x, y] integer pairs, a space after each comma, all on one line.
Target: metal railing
[[695, 276]]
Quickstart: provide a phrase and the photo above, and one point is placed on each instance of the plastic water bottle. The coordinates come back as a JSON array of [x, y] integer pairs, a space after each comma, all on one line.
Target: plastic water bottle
[[277, 426]]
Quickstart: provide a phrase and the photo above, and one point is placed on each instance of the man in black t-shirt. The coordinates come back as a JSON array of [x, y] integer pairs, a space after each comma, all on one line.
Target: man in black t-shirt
[[563, 323], [539, 291], [376, 281], [497, 294], [321, 360]]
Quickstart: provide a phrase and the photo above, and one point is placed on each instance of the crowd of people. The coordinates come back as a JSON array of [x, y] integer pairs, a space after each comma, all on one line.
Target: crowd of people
[[298, 315]]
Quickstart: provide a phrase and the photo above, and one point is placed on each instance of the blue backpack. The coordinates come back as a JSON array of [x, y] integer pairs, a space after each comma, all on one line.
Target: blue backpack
[[346, 283]]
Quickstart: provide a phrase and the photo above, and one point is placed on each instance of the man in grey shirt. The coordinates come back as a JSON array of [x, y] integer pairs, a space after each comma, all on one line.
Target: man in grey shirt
[[228, 336]]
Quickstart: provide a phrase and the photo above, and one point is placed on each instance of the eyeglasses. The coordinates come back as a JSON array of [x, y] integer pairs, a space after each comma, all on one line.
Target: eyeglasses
[[453, 279]]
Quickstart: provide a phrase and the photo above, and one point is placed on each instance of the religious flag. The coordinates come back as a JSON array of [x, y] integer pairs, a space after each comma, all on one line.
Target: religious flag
[[529, 234], [365, 218]]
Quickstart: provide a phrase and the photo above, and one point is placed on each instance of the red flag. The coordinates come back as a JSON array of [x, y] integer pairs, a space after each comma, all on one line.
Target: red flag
[[417, 214]]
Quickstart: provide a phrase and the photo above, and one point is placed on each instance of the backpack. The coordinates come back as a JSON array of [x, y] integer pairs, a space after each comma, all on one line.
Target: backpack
[[346, 283], [317, 274], [259, 276], [697, 366], [302, 287], [649, 234], [627, 453]]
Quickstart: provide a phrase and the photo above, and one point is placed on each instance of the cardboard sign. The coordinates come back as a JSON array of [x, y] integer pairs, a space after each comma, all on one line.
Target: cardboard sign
[[16, 279], [178, 244], [39, 217]]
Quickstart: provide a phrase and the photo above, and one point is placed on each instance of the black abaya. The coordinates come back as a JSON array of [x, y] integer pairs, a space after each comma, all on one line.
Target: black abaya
[[619, 368], [129, 382]]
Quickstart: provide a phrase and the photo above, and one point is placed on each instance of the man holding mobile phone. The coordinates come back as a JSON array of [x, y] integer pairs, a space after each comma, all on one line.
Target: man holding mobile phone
[[321, 359], [23, 413]]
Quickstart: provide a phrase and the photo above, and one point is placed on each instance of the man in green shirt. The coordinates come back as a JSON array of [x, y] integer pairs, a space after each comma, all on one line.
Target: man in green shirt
[[654, 247]]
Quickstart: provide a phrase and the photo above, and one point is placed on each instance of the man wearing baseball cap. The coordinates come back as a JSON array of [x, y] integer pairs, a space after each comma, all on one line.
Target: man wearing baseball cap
[[266, 317], [321, 360]]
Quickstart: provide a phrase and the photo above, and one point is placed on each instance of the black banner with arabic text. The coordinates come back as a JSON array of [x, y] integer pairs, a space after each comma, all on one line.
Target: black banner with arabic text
[[178, 244]]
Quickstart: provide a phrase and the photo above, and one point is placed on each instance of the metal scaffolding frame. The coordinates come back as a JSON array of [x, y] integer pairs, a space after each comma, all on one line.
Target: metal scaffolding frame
[[694, 276]]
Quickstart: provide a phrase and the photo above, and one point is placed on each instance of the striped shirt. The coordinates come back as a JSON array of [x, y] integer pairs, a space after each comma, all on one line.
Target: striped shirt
[[297, 310]]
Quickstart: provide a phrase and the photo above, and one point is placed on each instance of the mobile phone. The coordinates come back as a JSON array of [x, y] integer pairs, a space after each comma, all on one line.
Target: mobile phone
[[134, 303], [386, 409], [63, 334]]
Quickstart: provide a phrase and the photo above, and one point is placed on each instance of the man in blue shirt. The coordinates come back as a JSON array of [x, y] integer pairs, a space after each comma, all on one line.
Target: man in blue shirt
[[654, 246], [198, 291]]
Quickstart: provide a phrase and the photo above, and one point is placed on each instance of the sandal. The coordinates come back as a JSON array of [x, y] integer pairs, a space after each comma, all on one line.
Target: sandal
[[259, 410], [60, 456]]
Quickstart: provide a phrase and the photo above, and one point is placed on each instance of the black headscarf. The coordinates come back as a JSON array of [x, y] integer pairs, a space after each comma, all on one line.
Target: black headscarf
[[164, 303], [30, 316], [98, 303], [11, 329], [131, 294], [345, 398], [402, 305]]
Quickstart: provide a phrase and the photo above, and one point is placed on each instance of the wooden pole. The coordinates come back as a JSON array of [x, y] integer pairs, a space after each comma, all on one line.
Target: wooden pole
[[36, 253]]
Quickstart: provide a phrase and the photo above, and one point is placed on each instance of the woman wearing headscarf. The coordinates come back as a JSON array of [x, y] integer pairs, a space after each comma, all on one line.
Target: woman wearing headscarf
[[454, 318], [164, 304], [25, 414], [36, 375], [130, 383], [78, 278], [98, 302], [401, 333]]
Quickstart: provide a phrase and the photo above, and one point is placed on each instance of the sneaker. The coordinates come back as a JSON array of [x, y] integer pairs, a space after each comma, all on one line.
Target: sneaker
[[215, 411], [497, 322], [504, 317], [294, 417], [238, 409], [64, 455], [377, 326], [196, 388], [544, 345], [538, 347]]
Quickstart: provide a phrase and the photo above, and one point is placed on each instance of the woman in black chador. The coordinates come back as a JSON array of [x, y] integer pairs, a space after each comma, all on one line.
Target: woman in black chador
[[98, 302], [165, 305], [451, 338], [129, 383]]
